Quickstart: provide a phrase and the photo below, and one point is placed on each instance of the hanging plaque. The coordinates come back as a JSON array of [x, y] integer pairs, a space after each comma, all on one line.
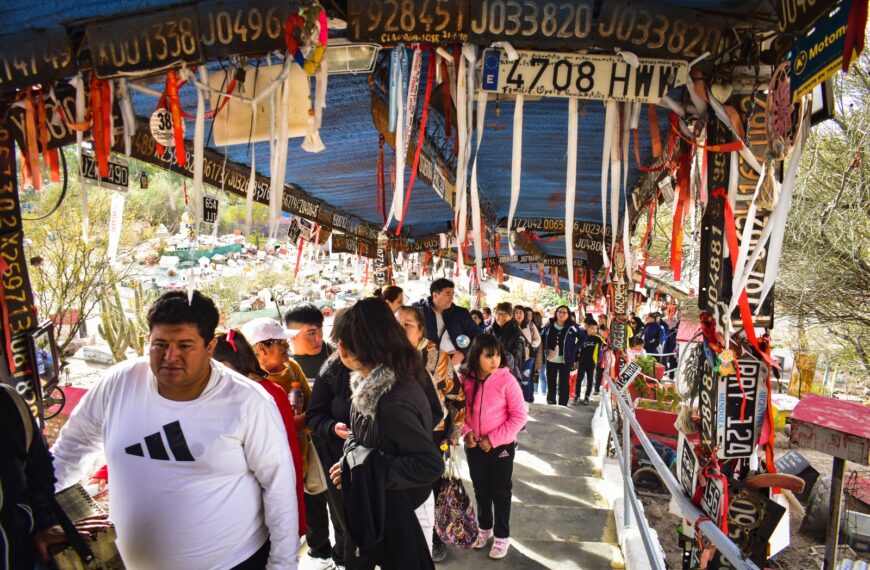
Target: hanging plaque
[[143, 43], [237, 27], [209, 209], [389, 22], [27, 58]]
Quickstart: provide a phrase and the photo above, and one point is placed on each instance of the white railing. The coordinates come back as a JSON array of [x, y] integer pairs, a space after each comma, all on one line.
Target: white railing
[[691, 512]]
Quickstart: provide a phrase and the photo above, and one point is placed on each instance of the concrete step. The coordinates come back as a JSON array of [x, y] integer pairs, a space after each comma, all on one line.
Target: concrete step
[[559, 491], [539, 555]]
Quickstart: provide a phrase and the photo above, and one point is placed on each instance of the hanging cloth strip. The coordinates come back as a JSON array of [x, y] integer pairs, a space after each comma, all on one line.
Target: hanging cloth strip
[[101, 110], [477, 234], [128, 115], [31, 170], [463, 92], [398, 72], [628, 118], [570, 188], [175, 109], [615, 168], [516, 165], [743, 302], [854, 41], [49, 156], [421, 134], [683, 196], [610, 124], [646, 244], [199, 149]]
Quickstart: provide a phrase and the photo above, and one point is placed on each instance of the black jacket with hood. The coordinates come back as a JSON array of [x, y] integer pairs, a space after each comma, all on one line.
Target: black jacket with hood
[[394, 418]]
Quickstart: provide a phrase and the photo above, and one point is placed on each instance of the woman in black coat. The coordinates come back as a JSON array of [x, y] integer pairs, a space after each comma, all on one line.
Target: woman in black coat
[[390, 415]]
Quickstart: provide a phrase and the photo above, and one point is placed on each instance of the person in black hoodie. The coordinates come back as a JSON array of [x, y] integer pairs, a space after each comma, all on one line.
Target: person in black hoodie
[[508, 333], [390, 415], [652, 337]]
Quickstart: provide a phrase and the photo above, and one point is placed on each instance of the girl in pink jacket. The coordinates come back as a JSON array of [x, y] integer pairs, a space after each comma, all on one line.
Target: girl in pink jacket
[[495, 414]]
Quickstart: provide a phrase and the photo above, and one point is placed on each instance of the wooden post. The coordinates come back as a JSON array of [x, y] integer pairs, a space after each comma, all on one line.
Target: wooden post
[[832, 539]]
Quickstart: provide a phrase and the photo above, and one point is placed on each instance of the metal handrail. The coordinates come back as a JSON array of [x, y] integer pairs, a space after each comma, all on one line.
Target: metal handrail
[[692, 513]]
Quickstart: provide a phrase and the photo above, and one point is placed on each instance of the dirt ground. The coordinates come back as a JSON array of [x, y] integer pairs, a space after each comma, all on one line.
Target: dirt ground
[[804, 552]]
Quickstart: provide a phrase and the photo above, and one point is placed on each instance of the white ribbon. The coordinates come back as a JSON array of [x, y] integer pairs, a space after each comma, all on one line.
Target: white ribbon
[[570, 189], [111, 133], [780, 211], [745, 152], [397, 124], [517, 165], [508, 48], [127, 114], [615, 168], [252, 180], [279, 167], [609, 119], [413, 90], [741, 266], [116, 224], [476, 236], [627, 110], [81, 115], [461, 164], [199, 150]]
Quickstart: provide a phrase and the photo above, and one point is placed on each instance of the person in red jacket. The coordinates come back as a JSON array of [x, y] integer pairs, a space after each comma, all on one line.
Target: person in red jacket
[[495, 414], [234, 352]]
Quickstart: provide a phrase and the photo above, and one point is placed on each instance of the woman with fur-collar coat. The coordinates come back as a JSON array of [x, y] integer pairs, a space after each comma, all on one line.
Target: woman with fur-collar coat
[[390, 414]]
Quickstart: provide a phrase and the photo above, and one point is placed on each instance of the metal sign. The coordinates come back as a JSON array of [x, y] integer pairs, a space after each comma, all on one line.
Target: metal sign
[[601, 77], [752, 518], [342, 243], [741, 404], [18, 308], [238, 27], [28, 59], [540, 24], [389, 22], [658, 30], [819, 55], [119, 172], [147, 42], [713, 263], [707, 406], [557, 225], [627, 375], [798, 15], [687, 465], [713, 498], [233, 177], [382, 262], [209, 209], [59, 133]]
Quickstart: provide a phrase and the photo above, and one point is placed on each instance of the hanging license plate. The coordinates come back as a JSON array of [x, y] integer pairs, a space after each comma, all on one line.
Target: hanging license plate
[[119, 173], [553, 74]]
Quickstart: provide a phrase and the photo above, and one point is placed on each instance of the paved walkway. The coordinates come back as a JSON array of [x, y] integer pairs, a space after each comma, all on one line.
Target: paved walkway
[[559, 517]]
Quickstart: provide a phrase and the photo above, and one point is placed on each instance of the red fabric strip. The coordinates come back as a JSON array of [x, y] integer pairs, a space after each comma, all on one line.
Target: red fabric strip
[[98, 126], [683, 176], [854, 40], [31, 141], [175, 109]]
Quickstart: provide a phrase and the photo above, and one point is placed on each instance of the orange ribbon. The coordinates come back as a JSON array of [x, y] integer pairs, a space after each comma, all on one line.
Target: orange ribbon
[[175, 109]]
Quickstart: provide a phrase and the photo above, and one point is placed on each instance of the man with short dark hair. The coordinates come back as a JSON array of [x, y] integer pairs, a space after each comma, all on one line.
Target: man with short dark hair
[[202, 476], [310, 351], [449, 326]]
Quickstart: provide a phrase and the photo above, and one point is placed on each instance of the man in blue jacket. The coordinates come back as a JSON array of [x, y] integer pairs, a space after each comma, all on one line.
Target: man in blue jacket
[[446, 322], [652, 337]]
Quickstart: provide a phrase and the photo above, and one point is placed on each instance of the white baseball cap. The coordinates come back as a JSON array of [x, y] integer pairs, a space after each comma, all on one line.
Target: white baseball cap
[[264, 328]]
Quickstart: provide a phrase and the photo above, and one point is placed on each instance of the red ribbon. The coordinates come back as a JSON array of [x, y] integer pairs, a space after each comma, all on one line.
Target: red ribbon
[[448, 104], [854, 40], [299, 248], [421, 136], [231, 339], [294, 22], [101, 110], [31, 150], [177, 120]]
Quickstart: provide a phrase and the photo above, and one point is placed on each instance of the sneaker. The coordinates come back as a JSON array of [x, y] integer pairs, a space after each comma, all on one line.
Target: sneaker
[[586, 401], [575, 401], [499, 548], [439, 552], [321, 563], [595, 392], [483, 537]]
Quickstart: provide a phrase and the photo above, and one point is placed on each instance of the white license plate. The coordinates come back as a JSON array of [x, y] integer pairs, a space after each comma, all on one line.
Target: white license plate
[[553, 74]]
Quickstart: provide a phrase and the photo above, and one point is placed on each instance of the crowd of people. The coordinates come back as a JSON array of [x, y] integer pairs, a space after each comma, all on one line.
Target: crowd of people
[[225, 447]]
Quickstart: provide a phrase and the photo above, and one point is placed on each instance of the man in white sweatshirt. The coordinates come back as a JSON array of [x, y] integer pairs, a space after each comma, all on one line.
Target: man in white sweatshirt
[[201, 476]]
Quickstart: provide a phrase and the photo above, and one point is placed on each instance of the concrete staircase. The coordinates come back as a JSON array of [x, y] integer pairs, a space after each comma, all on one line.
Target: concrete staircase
[[560, 518]]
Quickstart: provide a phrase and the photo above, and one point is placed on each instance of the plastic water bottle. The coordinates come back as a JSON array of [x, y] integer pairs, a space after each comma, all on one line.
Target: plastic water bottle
[[297, 399]]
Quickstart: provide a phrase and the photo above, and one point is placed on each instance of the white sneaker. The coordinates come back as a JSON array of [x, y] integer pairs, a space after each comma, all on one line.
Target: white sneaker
[[483, 537], [499, 548], [318, 563]]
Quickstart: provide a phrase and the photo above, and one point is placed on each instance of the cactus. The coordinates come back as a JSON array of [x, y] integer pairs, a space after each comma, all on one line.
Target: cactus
[[114, 328], [121, 331]]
